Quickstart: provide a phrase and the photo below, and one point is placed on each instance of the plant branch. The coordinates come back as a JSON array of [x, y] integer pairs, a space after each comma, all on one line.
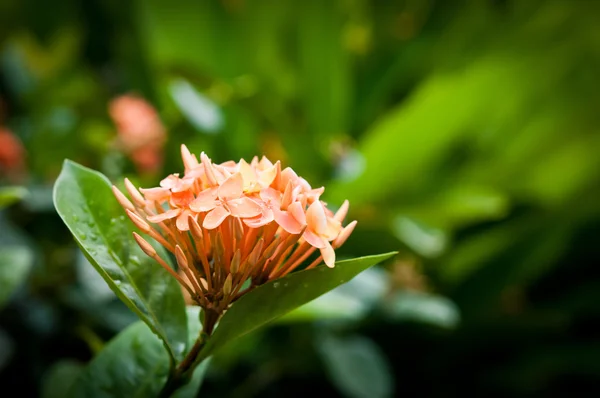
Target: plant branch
[[184, 370]]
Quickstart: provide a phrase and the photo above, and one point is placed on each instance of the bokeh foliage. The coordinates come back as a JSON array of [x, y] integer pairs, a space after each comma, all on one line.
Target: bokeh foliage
[[464, 133]]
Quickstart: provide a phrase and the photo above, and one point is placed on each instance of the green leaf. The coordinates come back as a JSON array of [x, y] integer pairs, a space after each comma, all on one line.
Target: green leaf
[[60, 378], [10, 195], [15, 263], [135, 364], [84, 200], [275, 299], [356, 366]]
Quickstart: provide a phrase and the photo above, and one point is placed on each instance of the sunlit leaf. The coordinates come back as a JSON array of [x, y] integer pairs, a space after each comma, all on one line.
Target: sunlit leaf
[[84, 200]]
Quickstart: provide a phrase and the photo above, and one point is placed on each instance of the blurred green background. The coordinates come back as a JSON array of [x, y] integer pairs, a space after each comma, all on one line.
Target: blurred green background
[[464, 133]]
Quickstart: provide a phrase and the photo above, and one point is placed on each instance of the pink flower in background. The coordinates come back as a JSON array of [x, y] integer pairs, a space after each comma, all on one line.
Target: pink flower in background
[[141, 134], [12, 154]]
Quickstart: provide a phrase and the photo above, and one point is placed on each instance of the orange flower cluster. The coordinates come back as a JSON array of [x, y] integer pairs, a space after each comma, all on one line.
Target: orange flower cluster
[[141, 133], [233, 222]]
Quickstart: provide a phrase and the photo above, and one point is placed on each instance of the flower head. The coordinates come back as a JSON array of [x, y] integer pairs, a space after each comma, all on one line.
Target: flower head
[[233, 222]]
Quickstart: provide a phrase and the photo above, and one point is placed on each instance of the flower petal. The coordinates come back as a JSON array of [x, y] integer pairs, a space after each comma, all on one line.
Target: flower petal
[[344, 234], [205, 201], [208, 169], [342, 211], [244, 207], [248, 174], [258, 221], [232, 187], [181, 199], [314, 240], [182, 221], [271, 196], [267, 176], [189, 160], [288, 175], [264, 163], [297, 211], [156, 194], [304, 184], [215, 217], [315, 218], [183, 184], [230, 165], [288, 196], [328, 255], [170, 181], [167, 215], [287, 221], [333, 229]]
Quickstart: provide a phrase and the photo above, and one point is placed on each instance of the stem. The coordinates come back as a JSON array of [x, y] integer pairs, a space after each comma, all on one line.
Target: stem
[[183, 372]]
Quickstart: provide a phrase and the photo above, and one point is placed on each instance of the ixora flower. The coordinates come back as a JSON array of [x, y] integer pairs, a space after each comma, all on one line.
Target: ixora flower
[[230, 223]]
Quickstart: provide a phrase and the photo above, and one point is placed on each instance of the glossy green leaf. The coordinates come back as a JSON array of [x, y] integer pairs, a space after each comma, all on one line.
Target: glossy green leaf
[[356, 366], [10, 195], [135, 364], [275, 299], [84, 200], [15, 263]]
